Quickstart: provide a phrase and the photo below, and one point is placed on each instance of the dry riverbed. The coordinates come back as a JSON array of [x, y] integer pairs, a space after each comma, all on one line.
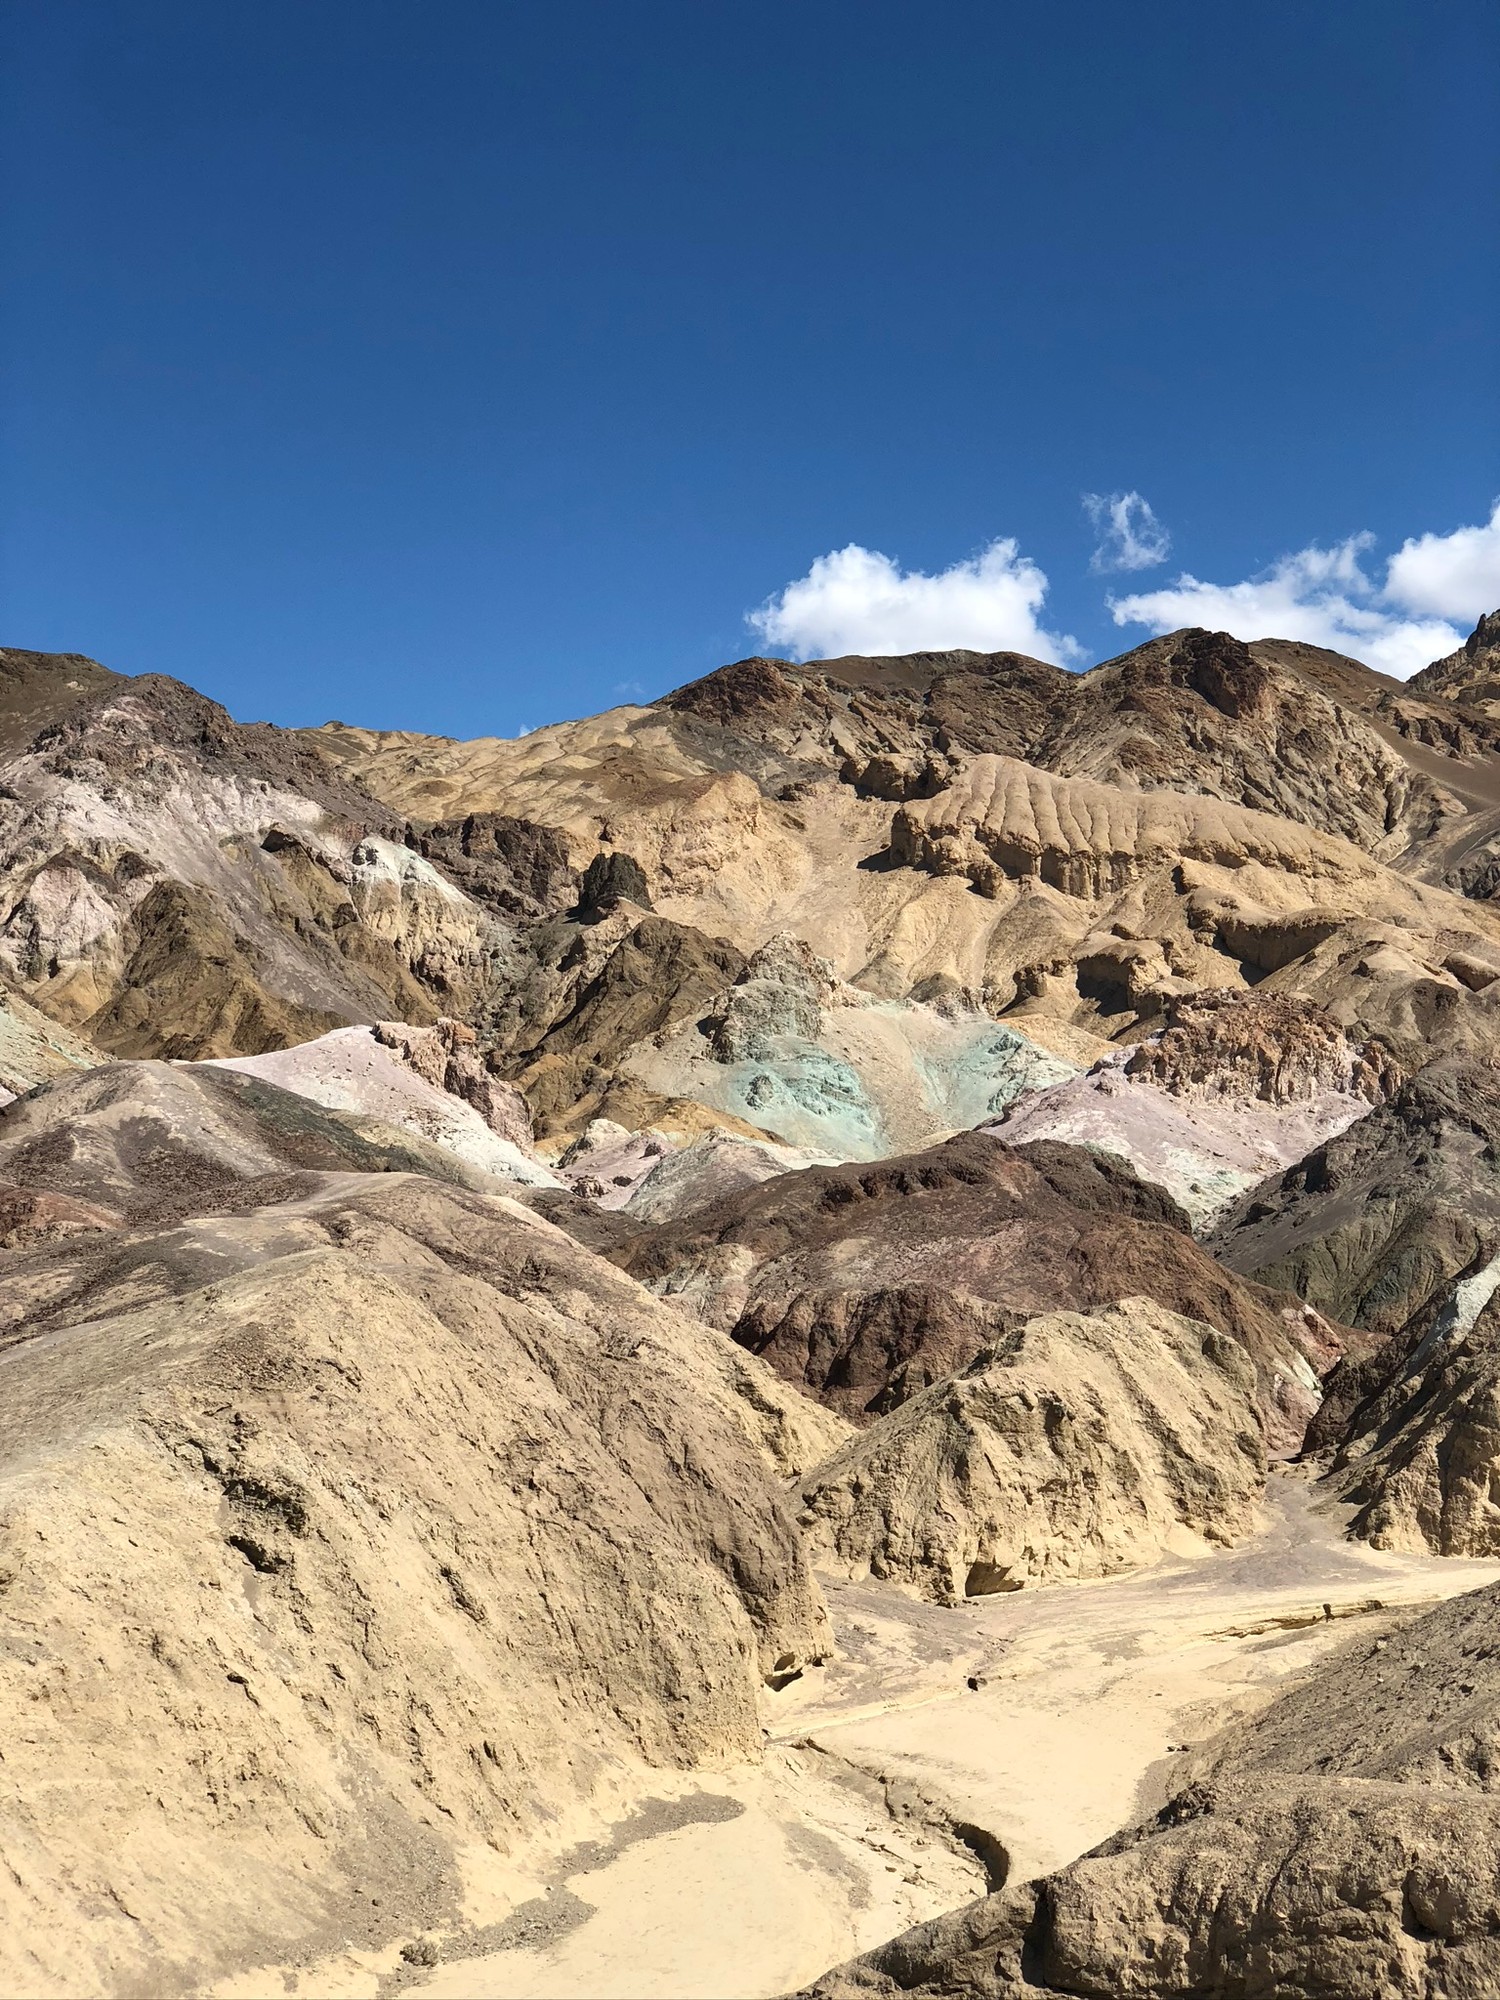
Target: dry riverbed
[[939, 1751]]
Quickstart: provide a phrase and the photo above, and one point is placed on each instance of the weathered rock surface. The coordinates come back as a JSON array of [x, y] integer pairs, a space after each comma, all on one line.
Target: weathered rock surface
[[1264, 726], [1195, 814], [865, 1284], [34, 1049], [377, 1529], [1395, 1227], [1471, 676], [446, 1055], [179, 884], [158, 1140], [382, 1528], [656, 974], [1234, 1087], [1342, 1889], [513, 865], [387, 1073], [29, 1216], [1374, 1226], [1077, 1446], [717, 1165], [1411, 1431], [654, 1177], [820, 1065]]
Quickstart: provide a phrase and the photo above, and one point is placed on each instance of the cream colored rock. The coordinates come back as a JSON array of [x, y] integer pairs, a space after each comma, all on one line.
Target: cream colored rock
[[447, 1056], [1079, 1446], [415, 1535], [1006, 819]]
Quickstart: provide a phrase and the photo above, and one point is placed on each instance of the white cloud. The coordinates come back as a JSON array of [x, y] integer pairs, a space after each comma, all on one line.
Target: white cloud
[[1456, 575], [856, 600], [1434, 589], [1132, 537]]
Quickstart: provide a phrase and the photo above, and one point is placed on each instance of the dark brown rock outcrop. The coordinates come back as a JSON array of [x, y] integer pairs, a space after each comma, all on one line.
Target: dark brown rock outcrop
[[1471, 676], [865, 1284], [513, 864], [1373, 1227]]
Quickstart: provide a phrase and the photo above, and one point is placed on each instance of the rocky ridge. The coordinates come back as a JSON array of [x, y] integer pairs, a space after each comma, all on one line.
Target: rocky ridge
[[378, 1467], [1232, 1087], [1075, 1447], [864, 1285]]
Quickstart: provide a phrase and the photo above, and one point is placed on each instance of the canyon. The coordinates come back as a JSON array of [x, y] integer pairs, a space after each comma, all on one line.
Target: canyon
[[838, 1334]]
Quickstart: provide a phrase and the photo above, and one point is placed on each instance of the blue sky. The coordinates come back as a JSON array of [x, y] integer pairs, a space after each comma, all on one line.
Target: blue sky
[[464, 367]]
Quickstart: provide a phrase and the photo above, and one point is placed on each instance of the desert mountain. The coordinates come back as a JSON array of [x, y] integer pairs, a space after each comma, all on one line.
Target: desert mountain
[[1469, 677], [864, 1284], [533, 1268], [364, 1518], [806, 761], [1197, 815]]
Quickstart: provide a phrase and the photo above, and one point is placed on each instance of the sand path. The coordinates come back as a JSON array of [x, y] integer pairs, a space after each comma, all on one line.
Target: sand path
[[941, 1750]]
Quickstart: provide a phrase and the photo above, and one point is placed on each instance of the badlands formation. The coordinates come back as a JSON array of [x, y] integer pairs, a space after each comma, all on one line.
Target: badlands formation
[[839, 1334]]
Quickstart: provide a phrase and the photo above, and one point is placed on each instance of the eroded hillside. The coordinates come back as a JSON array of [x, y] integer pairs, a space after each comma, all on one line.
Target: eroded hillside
[[530, 1266]]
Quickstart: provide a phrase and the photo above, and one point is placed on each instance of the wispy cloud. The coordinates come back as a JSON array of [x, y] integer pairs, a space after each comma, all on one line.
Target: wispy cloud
[[1130, 536], [1434, 588], [856, 600], [629, 688]]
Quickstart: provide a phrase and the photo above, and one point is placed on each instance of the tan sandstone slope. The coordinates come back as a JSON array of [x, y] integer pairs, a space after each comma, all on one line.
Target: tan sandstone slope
[[1077, 1446], [1197, 813], [352, 1543]]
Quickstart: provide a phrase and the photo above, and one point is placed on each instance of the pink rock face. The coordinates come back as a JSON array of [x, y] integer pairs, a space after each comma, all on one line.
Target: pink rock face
[[1236, 1087], [353, 1069], [608, 1165], [447, 1056]]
